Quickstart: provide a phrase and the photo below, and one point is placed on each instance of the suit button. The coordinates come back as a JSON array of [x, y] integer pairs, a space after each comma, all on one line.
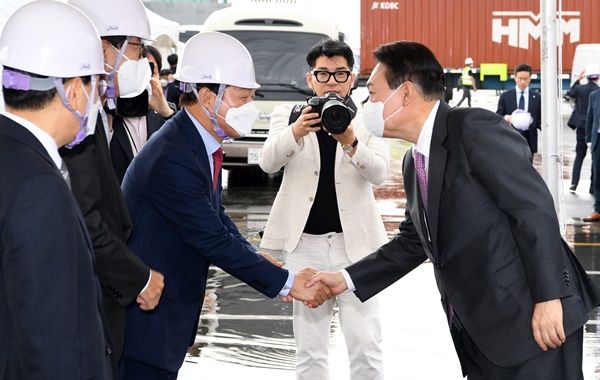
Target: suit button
[[439, 265], [108, 350]]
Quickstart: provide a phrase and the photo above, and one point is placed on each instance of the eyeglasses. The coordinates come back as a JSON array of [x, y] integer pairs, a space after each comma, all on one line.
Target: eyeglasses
[[323, 76], [523, 79]]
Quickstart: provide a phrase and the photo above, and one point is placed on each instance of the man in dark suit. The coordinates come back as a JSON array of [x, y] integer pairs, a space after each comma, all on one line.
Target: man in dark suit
[[52, 323], [592, 131], [514, 293], [173, 191], [123, 276], [523, 98], [581, 94]]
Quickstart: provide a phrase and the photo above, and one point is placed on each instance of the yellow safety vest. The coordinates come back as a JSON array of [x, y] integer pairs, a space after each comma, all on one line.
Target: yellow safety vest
[[465, 77]]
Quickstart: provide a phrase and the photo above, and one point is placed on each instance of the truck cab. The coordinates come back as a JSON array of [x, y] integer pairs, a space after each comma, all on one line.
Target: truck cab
[[278, 36]]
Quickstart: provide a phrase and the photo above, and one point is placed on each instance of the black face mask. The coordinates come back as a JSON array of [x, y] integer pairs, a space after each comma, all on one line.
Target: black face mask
[[133, 107]]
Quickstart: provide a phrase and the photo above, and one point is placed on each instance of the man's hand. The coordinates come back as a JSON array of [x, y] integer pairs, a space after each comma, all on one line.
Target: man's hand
[[313, 296], [333, 280], [306, 123], [150, 297], [271, 259], [547, 324], [157, 100]]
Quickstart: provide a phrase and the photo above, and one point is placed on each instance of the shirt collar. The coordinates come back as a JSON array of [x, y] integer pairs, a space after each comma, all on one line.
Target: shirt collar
[[424, 142], [43, 137], [210, 143]]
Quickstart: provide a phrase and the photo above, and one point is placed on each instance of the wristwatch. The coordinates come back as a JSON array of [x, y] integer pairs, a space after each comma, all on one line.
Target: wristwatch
[[350, 148]]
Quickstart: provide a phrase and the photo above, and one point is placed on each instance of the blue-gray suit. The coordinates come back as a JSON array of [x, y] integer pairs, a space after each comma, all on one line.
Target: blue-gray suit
[[592, 125]]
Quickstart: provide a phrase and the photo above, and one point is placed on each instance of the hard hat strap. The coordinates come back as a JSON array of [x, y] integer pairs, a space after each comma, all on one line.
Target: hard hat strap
[[20, 81], [111, 98]]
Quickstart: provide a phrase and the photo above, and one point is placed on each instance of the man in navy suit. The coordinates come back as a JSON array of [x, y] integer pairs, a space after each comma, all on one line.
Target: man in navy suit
[[592, 133], [515, 296], [523, 98], [52, 323], [173, 192]]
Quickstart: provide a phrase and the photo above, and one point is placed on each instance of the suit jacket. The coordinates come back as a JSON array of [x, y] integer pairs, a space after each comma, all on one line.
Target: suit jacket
[[180, 229], [581, 95], [507, 104], [496, 250], [173, 93], [592, 120], [53, 324], [120, 147], [96, 188], [354, 179]]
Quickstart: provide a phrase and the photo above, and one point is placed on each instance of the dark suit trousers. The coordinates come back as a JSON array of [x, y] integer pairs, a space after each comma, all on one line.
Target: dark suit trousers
[[134, 370], [580, 152], [561, 363]]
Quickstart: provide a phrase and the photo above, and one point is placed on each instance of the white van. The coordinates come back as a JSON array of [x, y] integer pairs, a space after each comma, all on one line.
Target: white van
[[278, 36]]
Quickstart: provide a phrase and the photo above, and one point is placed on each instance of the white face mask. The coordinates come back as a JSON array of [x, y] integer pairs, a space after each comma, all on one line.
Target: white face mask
[[133, 77], [373, 115], [164, 83], [87, 125], [241, 118]]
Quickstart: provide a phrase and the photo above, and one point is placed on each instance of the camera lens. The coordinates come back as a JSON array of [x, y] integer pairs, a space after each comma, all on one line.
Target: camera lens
[[335, 116]]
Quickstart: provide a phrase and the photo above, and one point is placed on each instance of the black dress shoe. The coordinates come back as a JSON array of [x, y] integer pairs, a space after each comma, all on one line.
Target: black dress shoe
[[593, 217], [573, 187]]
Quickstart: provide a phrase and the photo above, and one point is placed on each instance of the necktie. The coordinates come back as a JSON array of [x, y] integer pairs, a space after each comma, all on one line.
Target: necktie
[[217, 163], [422, 176], [522, 101], [65, 173]]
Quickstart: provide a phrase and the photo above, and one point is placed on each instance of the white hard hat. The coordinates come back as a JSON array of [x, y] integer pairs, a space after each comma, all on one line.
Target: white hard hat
[[69, 48], [213, 57], [469, 61], [521, 120], [117, 17], [592, 70]]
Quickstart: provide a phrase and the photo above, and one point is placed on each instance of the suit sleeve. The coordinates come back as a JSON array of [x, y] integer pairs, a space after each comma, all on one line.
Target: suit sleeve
[[280, 146], [502, 105], [589, 118], [180, 195], [371, 160], [40, 268], [121, 273], [504, 169]]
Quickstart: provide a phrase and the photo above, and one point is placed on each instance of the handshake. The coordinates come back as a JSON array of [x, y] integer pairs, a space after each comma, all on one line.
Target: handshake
[[311, 286]]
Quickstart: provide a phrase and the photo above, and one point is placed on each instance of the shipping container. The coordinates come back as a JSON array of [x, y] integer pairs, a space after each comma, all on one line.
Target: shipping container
[[489, 31]]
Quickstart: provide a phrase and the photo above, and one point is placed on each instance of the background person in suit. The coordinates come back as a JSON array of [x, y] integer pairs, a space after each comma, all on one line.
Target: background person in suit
[[514, 293], [130, 134], [592, 130], [125, 279], [510, 101], [52, 320], [581, 94], [173, 192], [325, 215]]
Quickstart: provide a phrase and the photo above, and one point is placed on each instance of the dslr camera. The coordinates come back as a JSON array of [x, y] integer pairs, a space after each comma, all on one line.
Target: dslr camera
[[335, 115]]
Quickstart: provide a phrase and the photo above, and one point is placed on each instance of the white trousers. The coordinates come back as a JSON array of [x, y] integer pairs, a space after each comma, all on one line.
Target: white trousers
[[359, 321]]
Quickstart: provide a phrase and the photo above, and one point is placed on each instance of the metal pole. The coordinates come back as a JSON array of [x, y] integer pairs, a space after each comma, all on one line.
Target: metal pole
[[551, 100]]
